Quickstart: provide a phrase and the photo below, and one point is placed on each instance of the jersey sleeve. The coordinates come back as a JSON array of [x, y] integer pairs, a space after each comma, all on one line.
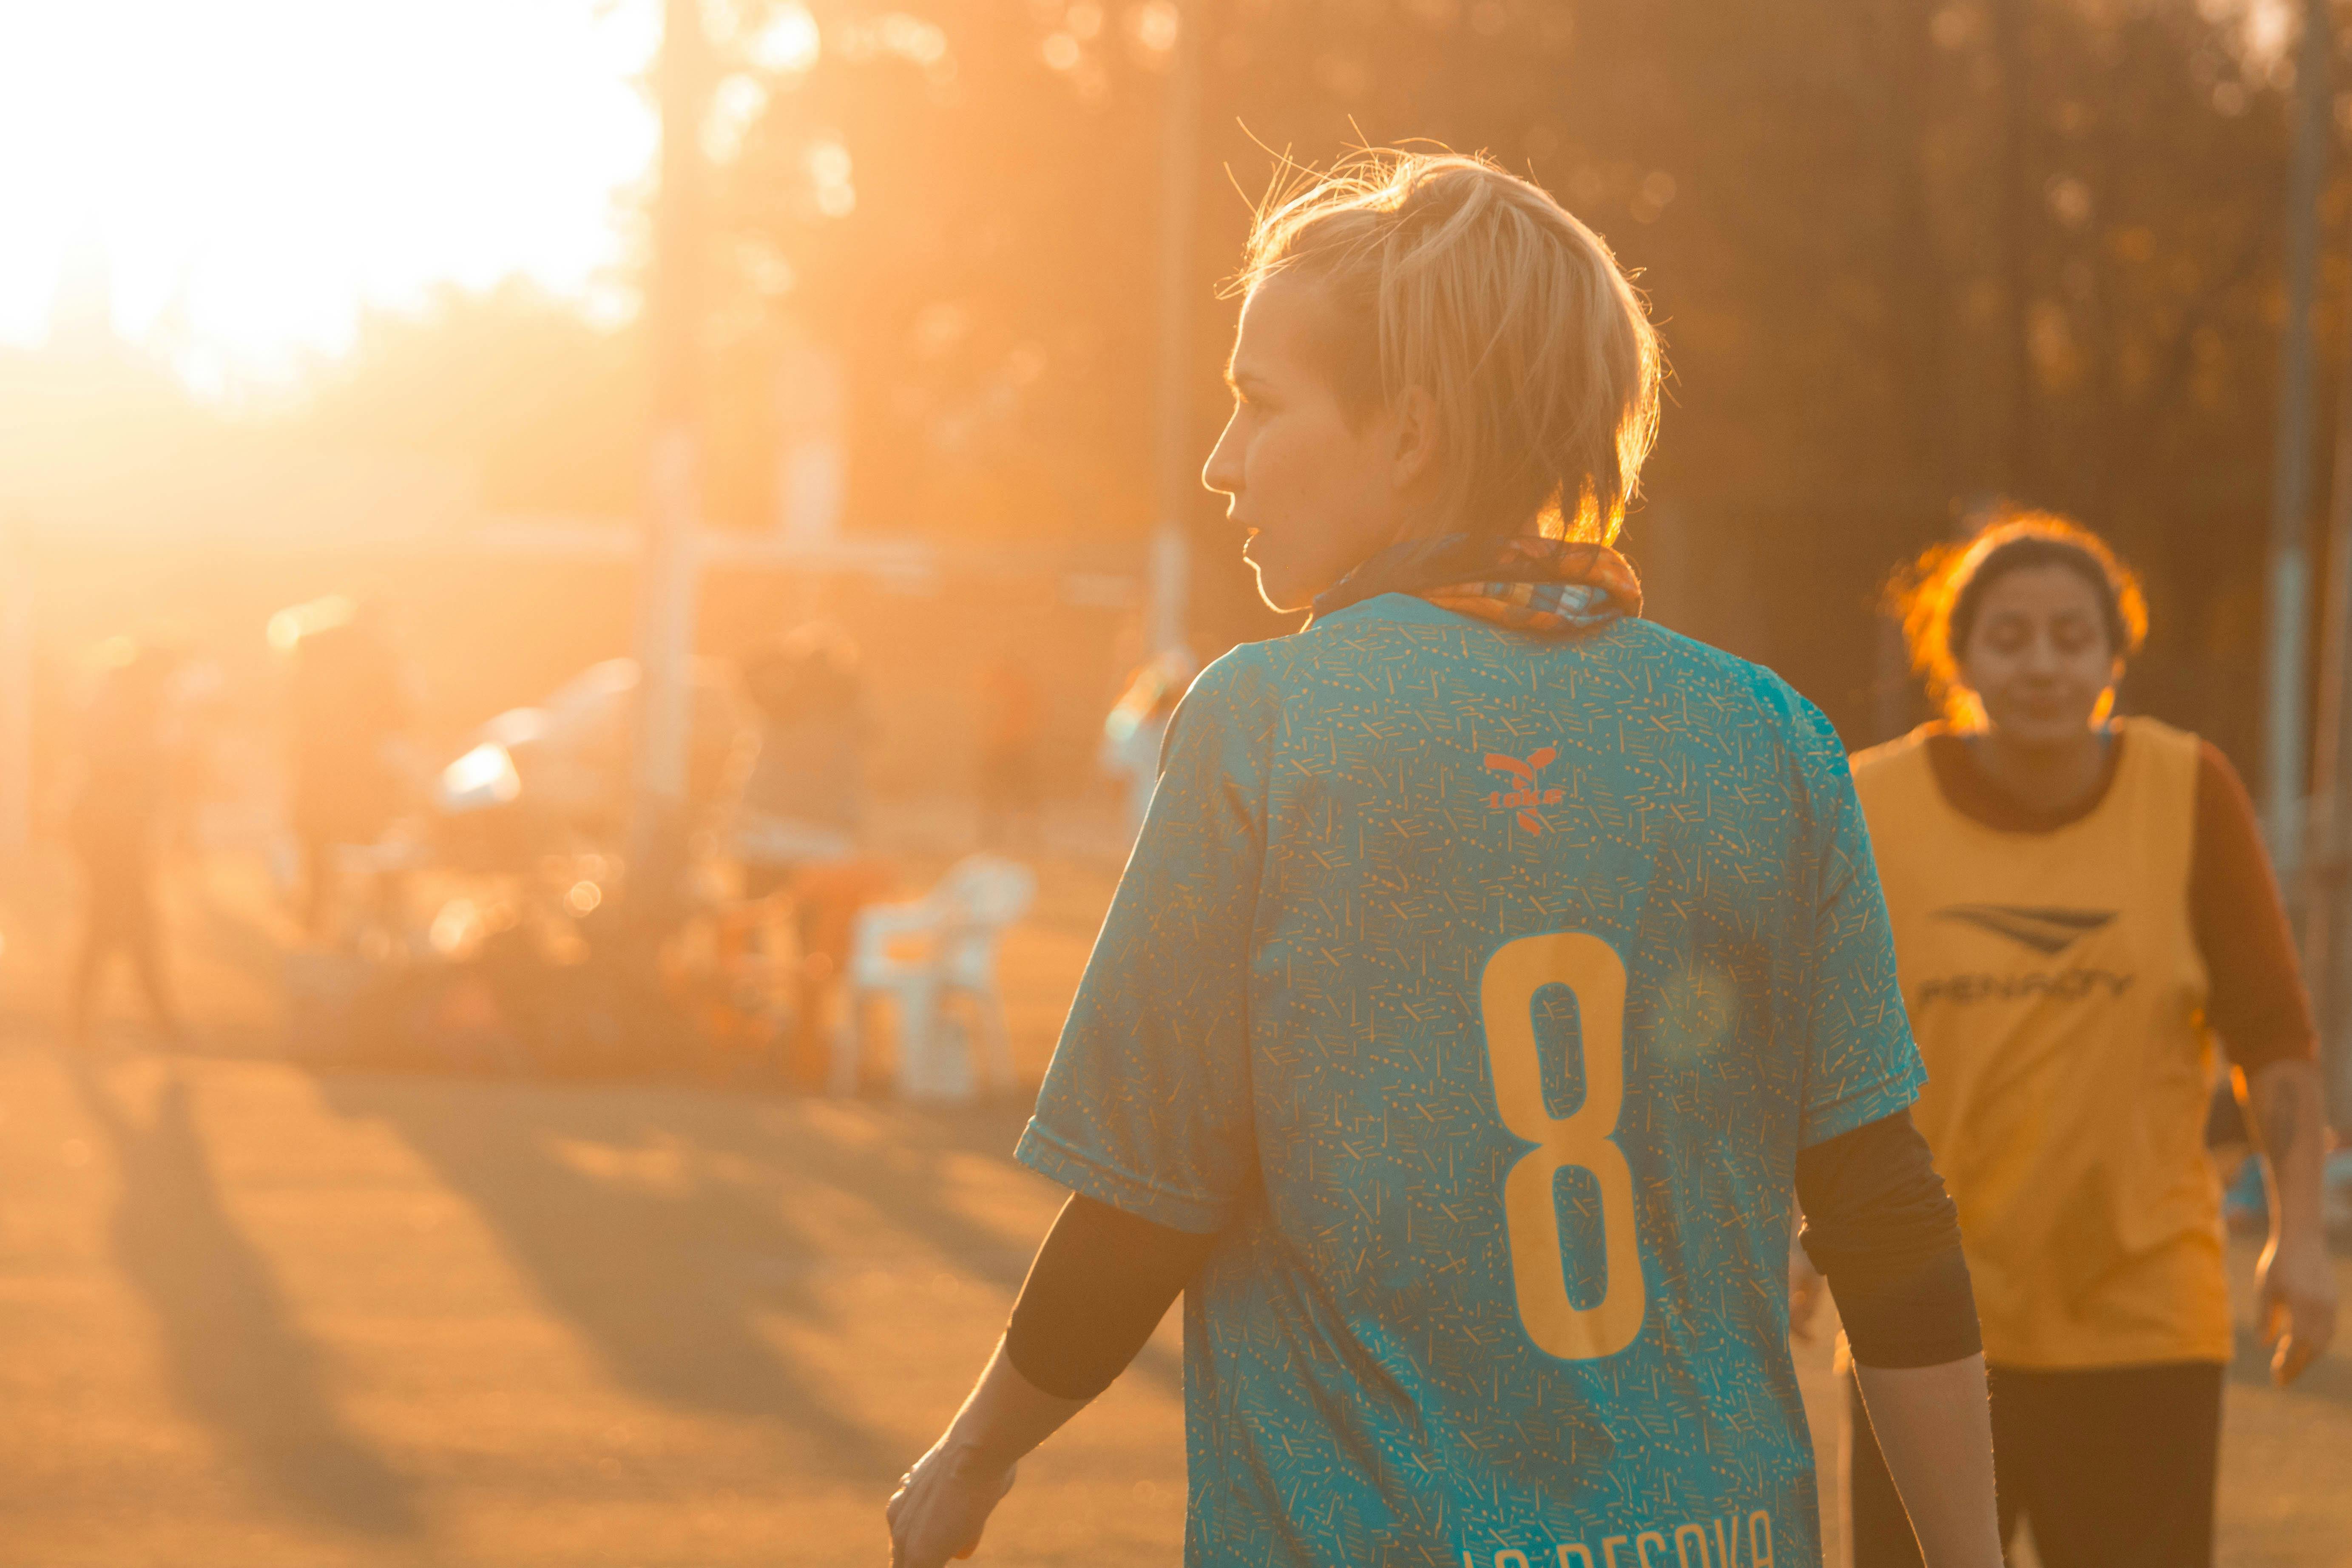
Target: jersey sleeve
[[1862, 1063], [1146, 1105]]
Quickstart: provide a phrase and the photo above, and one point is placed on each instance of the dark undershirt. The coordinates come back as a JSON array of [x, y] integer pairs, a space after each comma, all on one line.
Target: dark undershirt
[[2255, 1000], [1884, 1233], [1878, 1225], [1101, 1281]]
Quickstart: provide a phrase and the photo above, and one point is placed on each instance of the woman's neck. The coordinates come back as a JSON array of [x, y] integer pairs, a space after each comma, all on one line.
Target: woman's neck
[[2048, 780]]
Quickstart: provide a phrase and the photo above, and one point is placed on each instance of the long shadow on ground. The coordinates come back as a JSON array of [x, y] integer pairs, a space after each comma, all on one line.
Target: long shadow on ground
[[901, 1173], [666, 1280], [237, 1362]]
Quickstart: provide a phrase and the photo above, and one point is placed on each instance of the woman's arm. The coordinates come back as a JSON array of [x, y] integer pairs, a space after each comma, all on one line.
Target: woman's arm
[[2295, 1282], [2258, 1005], [2255, 999], [1100, 1283], [1880, 1225], [1935, 1430]]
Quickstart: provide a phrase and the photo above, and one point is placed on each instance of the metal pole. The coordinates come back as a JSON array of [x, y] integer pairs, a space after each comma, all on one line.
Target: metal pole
[[2284, 753], [2325, 882], [15, 691], [2018, 204], [667, 576], [1176, 463]]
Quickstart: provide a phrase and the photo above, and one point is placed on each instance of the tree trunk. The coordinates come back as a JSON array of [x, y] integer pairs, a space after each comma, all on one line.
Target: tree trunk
[[2015, 213]]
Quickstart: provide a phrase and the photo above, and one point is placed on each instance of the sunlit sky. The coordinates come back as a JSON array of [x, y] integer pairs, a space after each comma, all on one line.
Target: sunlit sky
[[252, 172]]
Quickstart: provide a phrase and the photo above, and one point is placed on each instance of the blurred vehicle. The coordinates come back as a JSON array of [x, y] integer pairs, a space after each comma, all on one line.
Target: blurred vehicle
[[570, 757], [517, 953]]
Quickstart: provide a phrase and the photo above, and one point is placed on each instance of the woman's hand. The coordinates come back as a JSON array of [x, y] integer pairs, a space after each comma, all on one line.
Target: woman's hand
[[942, 1505], [2294, 1286], [2294, 1296]]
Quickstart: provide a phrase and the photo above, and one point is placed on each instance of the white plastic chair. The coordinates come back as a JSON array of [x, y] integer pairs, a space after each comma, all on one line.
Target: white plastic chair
[[960, 923], [874, 970], [985, 895]]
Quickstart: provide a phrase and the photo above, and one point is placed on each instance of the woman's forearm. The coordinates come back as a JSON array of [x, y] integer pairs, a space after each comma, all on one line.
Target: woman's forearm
[[2295, 1283], [1934, 1426], [2289, 1113], [1006, 1416]]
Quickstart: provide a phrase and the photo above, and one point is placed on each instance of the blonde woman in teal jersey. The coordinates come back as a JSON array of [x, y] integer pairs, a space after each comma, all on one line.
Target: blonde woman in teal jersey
[[1490, 965]]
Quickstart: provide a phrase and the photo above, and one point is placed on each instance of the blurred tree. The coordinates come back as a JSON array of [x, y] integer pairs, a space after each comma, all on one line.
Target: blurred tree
[[927, 194], [546, 407], [1908, 255]]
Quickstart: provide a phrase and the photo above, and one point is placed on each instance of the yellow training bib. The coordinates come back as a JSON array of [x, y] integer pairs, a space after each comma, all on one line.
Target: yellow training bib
[[2058, 997]]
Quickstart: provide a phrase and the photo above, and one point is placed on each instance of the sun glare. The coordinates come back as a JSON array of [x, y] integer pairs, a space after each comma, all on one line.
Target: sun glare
[[244, 175]]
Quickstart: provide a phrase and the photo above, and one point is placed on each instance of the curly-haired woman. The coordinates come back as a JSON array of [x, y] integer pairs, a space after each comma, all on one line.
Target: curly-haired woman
[[2081, 904]]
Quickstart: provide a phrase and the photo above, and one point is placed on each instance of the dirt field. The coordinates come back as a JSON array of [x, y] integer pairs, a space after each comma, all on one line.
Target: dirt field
[[256, 1315]]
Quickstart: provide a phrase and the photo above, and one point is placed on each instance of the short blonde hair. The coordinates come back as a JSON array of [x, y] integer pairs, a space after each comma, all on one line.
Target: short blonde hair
[[1448, 273]]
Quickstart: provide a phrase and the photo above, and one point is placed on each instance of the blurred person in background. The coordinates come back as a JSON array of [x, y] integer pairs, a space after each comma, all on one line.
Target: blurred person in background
[[115, 827], [802, 811], [1136, 726], [803, 801], [1478, 892], [348, 713], [2081, 903], [196, 708], [1007, 775]]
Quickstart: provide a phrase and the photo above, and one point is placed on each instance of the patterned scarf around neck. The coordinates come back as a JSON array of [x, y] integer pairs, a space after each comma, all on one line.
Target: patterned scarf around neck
[[1521, 580]]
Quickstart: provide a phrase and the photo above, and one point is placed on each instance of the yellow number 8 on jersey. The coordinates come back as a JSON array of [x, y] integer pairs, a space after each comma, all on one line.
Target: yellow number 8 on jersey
[[1590, 969]]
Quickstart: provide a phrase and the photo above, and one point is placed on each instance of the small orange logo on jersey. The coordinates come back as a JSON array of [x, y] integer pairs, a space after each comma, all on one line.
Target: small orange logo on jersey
[[1525, 796]]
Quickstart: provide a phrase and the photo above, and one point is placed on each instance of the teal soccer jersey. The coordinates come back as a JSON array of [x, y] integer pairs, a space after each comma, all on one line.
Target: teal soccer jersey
[[1478, 989]]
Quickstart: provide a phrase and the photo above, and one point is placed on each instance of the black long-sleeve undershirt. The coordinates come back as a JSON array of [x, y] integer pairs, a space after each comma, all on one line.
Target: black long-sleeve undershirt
[[1883, 1231], [1098, 1286], [1878, 1225]]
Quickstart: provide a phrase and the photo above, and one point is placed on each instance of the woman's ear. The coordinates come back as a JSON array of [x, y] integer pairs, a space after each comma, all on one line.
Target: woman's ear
[[1412, 440]]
